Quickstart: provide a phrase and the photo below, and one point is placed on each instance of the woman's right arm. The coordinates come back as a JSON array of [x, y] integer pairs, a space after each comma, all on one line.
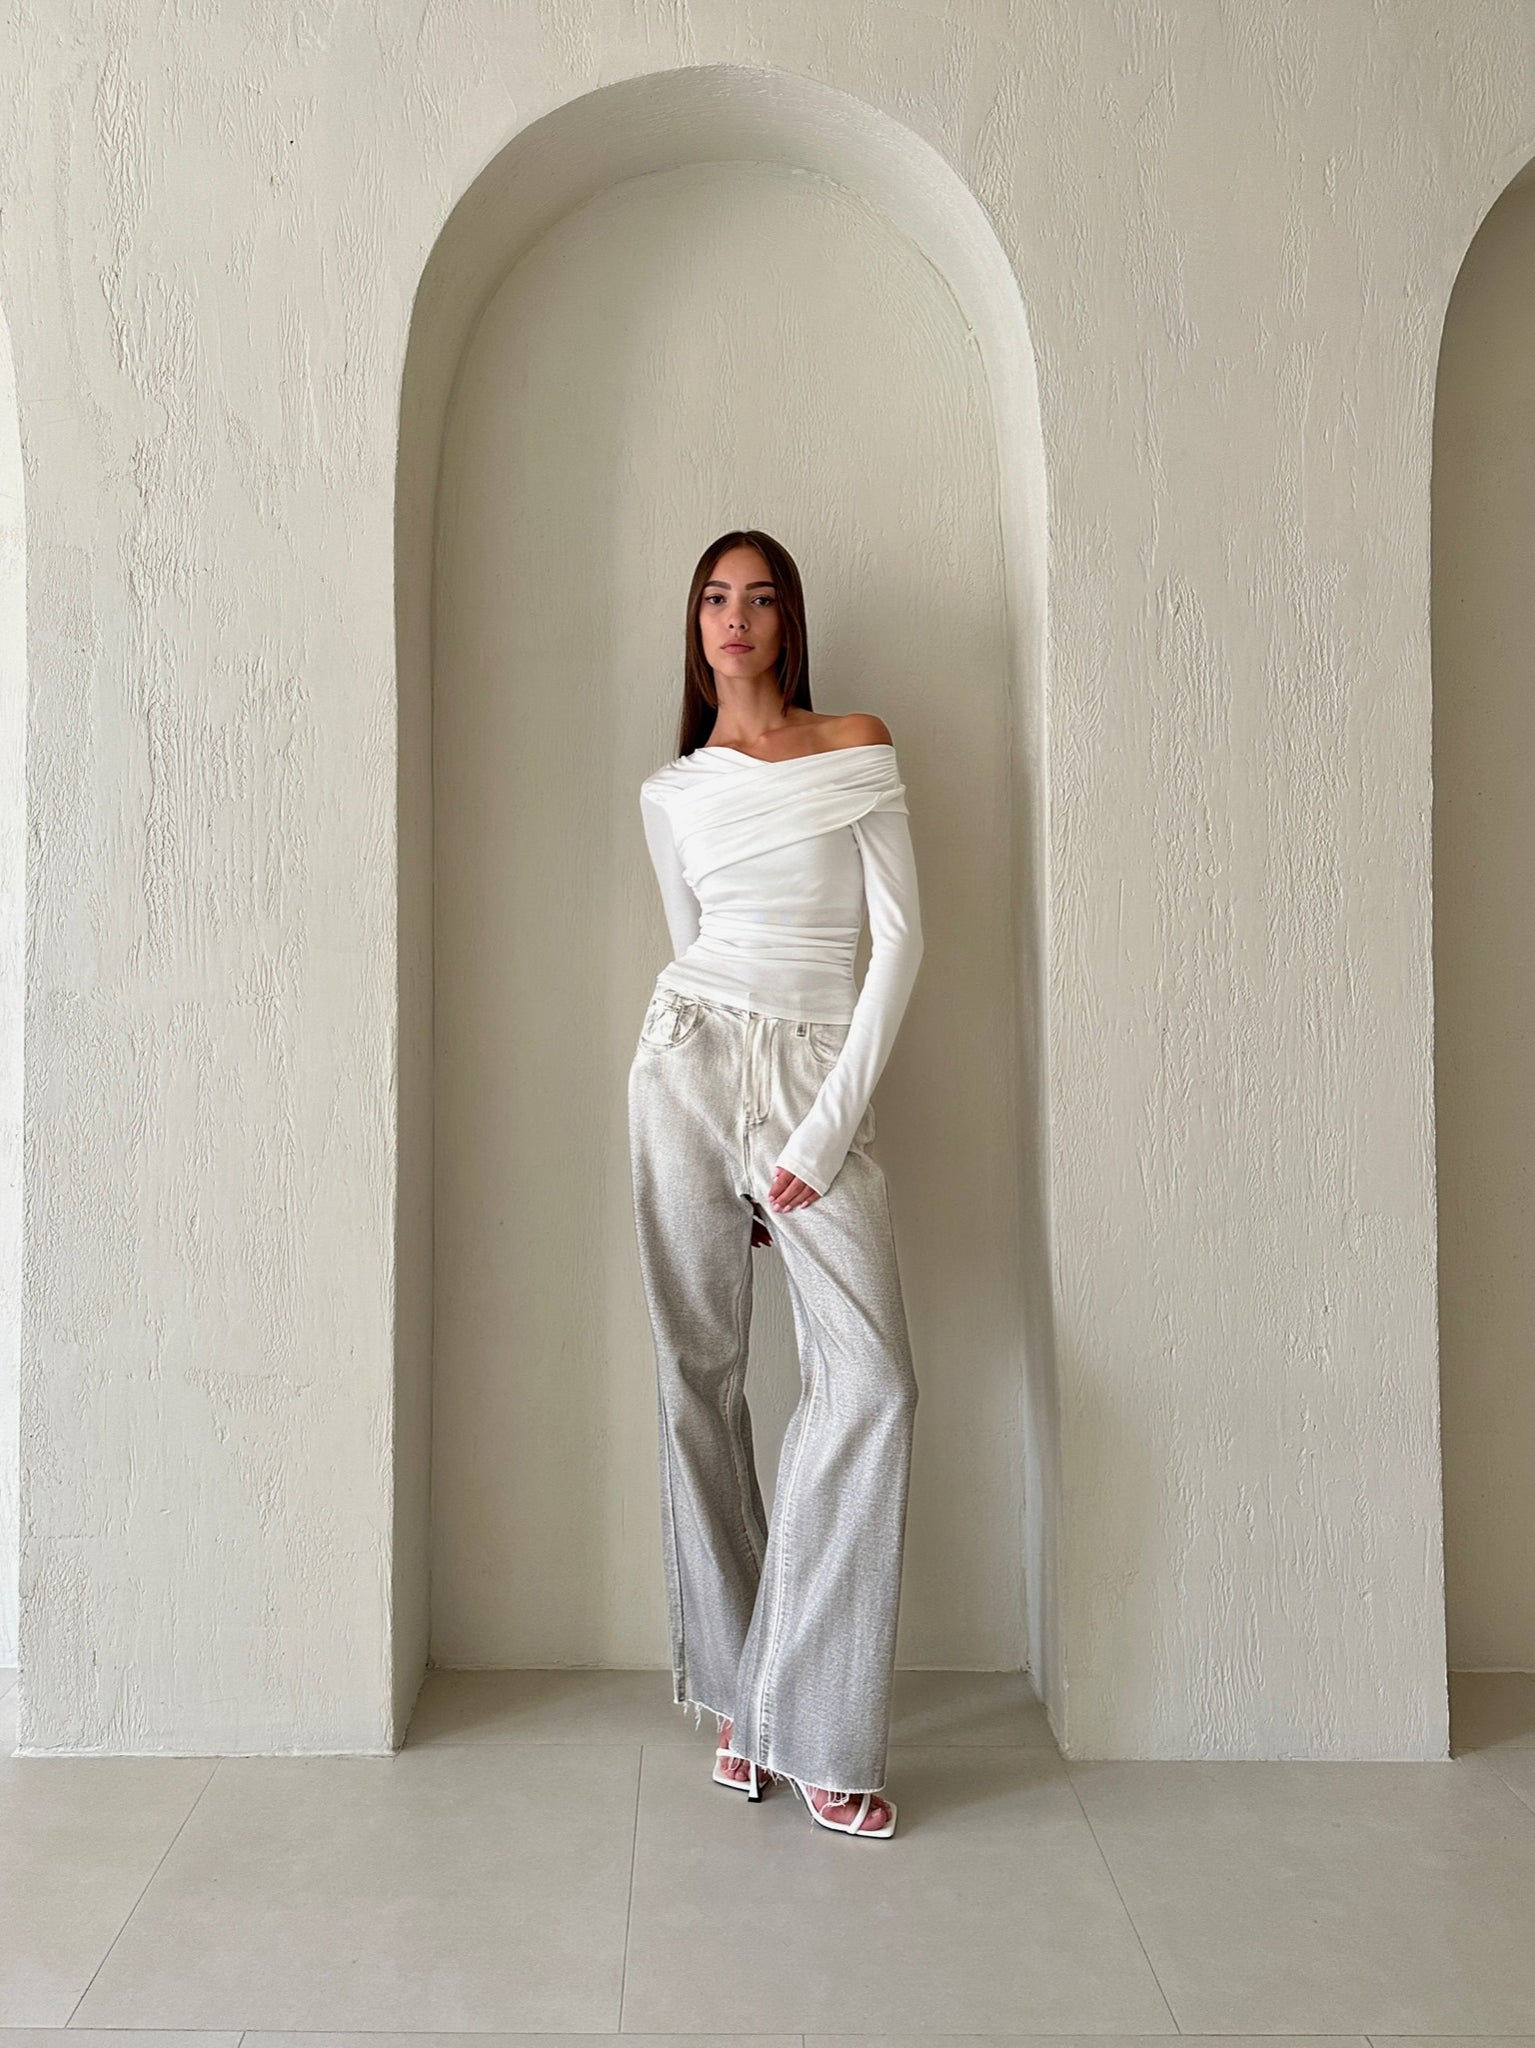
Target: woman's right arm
[[677, 899]]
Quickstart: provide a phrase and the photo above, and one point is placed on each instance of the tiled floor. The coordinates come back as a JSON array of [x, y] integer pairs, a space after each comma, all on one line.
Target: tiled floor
[[547, 1857]]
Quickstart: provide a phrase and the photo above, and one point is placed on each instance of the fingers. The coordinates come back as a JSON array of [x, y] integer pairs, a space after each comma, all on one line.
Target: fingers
[[788, 1192]]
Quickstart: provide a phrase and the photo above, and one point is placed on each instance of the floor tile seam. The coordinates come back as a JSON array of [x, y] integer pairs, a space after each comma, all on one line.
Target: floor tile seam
[[597, 1735], [680, 1741], [143, 1892], [634, 1837], [1514, 1791], [1486, 1767], [1124, 1905]]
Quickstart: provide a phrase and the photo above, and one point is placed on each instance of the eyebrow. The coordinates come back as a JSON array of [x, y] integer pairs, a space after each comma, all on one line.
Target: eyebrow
[[762, 583]]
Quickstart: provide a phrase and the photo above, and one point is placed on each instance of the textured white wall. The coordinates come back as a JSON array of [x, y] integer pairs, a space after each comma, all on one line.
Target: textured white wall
[[1235, 233], [13, 853], [1484, 960], [721, 345]]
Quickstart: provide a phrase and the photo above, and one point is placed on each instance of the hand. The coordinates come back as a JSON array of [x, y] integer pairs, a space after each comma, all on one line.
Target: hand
[[787, 1192]]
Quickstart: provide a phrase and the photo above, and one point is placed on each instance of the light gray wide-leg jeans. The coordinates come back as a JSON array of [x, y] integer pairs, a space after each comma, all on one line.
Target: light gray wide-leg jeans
[[788, 1632]]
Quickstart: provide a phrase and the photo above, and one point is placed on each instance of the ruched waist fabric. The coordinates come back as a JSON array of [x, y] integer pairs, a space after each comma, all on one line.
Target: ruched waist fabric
[[803, 972]]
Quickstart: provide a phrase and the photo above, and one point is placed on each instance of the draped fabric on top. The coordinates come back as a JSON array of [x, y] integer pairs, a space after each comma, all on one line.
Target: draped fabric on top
[[765, 868], [720, 813]]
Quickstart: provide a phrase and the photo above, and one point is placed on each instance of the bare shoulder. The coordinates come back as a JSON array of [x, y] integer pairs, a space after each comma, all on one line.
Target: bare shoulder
[[862, 729]]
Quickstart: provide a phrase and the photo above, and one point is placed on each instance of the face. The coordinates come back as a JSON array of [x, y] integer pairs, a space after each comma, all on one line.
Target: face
[[739, 605]]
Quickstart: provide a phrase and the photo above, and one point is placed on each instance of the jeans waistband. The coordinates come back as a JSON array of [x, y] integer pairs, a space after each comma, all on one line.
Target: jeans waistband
[[741, 1012]]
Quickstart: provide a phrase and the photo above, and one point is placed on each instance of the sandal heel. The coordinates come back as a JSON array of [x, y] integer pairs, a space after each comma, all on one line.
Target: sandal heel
[[754, 1784]]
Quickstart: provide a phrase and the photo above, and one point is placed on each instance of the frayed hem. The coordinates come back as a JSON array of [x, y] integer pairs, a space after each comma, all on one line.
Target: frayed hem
[[834, 1795], [700, 1708]]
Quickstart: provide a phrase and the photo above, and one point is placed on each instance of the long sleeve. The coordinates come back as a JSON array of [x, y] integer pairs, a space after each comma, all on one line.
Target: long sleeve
[[677, 899], [820, 1142]]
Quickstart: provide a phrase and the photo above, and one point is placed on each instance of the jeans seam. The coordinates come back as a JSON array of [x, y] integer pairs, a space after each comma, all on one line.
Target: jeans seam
[[680, 1674], [782, 1516], [736, 1377]]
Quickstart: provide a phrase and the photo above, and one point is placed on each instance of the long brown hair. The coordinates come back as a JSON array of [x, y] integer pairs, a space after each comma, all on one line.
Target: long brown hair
[[700, 708]]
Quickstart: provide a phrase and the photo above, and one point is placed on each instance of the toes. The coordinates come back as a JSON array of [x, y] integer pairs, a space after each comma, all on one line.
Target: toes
[[878, 1815]]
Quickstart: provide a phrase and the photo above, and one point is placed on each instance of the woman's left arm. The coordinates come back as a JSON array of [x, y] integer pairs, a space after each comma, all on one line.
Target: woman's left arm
[[821, 1141]]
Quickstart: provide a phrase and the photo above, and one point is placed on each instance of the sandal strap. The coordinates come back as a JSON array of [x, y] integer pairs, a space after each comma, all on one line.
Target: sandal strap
[[847, 1827]]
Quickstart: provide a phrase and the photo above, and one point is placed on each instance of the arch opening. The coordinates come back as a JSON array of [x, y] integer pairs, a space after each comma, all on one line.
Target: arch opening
[[504, 758], [1483, 532]]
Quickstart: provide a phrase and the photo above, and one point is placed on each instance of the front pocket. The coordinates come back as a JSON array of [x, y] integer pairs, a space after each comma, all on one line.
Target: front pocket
[[826, 1041], [670, 1020]]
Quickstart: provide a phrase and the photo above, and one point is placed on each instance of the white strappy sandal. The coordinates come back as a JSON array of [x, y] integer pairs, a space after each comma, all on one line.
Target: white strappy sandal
[[756, 1779], [855, 1825], [752, 1784]]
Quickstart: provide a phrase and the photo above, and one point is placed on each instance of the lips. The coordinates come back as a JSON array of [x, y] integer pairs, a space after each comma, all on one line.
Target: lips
[[738, 647]]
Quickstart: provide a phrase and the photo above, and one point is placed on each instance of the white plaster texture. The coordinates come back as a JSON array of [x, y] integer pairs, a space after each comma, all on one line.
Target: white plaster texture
[[13, 857], [1234, 230]]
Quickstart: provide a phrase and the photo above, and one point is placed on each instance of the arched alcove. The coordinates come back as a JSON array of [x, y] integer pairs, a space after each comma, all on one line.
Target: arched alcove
[[587, 706], [1483, 619]]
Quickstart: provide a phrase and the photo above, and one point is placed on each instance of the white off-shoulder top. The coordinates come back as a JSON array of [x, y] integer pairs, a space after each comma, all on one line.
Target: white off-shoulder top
[[764, 869]]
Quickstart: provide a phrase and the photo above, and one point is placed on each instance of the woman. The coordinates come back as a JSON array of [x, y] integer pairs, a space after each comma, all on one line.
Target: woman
[[751, 1084]]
